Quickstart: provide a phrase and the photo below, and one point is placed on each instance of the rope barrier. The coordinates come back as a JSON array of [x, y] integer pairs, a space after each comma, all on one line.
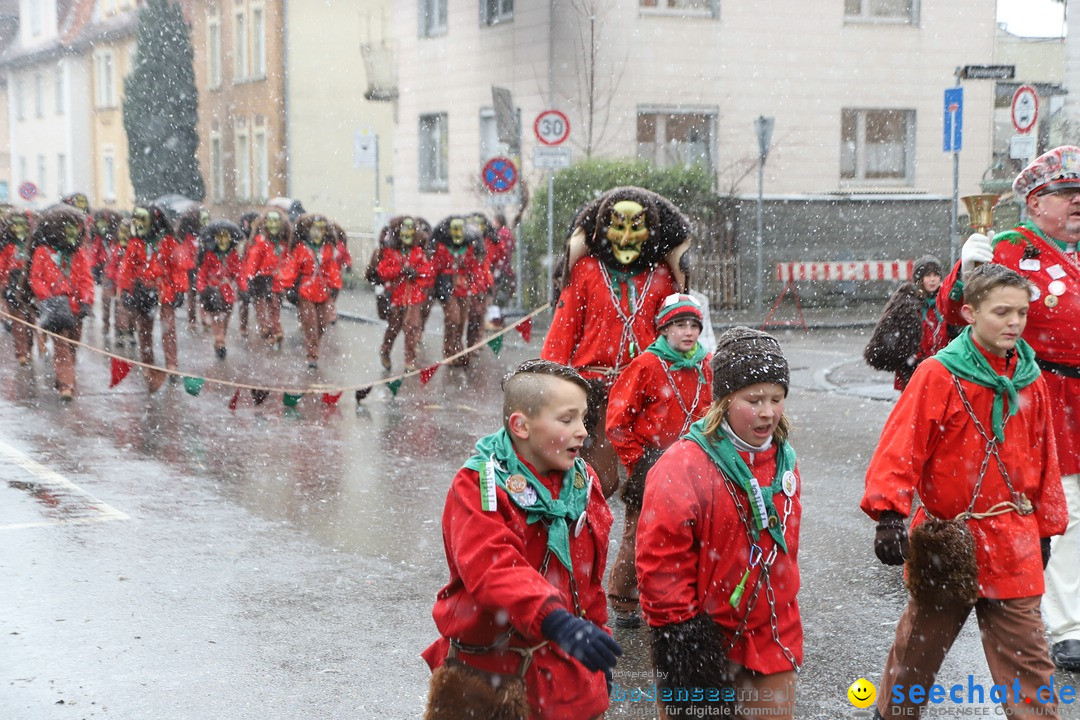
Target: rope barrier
[[284, 390]]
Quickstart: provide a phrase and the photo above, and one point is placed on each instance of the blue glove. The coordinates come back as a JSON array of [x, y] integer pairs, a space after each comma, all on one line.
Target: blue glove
[[582, 640]]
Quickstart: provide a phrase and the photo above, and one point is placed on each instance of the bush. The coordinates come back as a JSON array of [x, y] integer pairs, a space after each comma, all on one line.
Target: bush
[[690, 188]]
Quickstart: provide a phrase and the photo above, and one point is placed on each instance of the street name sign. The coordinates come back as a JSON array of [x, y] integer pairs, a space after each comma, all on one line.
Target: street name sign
[[551, 158]]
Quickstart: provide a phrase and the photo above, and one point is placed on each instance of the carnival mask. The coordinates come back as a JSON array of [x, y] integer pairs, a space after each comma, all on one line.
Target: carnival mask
[[223, 239], [627, 230], [73, 234], [204, 218], [123, 234], [457, 231], [140, 222], [273, 223], [408, 232], [81, 201], [317, 232], [102, 226]]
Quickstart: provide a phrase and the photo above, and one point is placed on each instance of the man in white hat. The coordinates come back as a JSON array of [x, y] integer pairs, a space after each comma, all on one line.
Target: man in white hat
[[1044, 250]]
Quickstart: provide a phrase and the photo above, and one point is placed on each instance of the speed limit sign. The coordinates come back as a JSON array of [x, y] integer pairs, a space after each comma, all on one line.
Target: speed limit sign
[[551, 127]]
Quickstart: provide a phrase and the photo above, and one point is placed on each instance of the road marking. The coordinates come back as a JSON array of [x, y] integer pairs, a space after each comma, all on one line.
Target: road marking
[[75, 505]]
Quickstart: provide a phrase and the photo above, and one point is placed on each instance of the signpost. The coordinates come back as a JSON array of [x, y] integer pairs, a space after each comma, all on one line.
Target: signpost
[[551, 158], [552, 128], [763, 127], [953, 141], [28, 191], [499, 175], [1025, 108]]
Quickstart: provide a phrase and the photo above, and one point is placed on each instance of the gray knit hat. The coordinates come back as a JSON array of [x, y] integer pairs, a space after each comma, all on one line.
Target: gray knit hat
[[746, 357], [923, 267]]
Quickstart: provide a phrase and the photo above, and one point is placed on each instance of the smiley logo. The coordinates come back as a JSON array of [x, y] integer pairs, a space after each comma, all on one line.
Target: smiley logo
[[861, 693]]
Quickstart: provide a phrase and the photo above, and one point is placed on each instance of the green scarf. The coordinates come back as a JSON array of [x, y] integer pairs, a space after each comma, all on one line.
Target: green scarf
[[965, 361], [677, 360], [722, 452], [496, 461]]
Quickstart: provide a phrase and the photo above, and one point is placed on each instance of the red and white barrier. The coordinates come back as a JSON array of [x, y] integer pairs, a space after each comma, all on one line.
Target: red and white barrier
[[851, 270]]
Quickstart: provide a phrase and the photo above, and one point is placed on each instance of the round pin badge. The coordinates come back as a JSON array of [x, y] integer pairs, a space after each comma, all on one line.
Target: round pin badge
[[1057, 287], [1051, 301], [579, 480], [789, 483], [773, 521], [526, 498], [516, 483]]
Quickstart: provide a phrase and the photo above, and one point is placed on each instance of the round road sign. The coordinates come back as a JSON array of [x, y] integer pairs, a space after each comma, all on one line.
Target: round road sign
[[551, 127], [28, 190], [499, 174], [1025, 108]]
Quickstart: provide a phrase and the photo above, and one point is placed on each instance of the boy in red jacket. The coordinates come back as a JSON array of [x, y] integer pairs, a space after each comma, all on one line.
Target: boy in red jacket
[[651, 405], [525, 530], [972, 436], [312, 263], [63, 283]]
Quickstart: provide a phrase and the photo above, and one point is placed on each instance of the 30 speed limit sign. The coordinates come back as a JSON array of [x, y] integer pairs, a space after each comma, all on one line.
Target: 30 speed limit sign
[[551, 127]]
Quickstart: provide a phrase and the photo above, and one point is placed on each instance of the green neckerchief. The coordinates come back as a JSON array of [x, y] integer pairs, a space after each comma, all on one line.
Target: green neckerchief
[[722, 452], [620, 278], [458, 250], [931, 304], [496, 460], [964, 360], [692, 359]]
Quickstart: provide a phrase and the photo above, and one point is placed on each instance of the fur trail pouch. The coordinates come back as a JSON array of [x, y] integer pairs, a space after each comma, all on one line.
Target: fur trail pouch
[[941, 567], [462, 692]]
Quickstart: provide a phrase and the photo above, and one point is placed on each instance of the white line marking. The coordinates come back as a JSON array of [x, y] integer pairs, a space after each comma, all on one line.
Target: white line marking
[[105, 511]]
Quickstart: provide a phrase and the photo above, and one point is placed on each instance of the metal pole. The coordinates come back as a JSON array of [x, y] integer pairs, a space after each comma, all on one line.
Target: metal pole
[[760, 233], [378, 201], [954, 214], [551, 233]]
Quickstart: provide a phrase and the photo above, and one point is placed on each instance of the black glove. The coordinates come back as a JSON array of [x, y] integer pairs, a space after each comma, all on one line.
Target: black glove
[[891, 540], [1044, 546], [84, 311], [409, 273], [581, 639], [98, 271]]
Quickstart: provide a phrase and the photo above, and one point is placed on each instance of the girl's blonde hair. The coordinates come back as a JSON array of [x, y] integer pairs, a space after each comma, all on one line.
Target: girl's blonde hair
[[718, 411]]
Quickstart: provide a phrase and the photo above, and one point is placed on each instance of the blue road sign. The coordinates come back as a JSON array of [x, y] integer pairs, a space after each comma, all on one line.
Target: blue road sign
[[954, 119], [499, 174]]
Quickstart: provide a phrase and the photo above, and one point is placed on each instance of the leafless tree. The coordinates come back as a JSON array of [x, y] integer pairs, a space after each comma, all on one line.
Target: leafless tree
[[598, 79]]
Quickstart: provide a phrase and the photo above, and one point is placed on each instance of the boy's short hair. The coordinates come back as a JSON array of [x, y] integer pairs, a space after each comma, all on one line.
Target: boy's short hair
[[524, 388], [984, 279]]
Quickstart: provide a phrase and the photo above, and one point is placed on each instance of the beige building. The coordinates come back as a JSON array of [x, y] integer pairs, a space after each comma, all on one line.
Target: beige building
[[855, 87], [239, 71]]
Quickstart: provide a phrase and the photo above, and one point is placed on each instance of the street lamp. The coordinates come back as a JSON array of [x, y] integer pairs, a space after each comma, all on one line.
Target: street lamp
[[763, 126]]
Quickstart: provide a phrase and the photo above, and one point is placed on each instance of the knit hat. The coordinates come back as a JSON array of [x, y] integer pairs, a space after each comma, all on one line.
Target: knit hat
[[746, 357], [1057, 169], [926, 265], [675, 308]]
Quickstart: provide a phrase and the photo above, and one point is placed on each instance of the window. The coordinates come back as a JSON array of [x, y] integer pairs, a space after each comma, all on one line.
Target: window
[[894, 11], [213, 51], [432, 18], [260, 168], [24, 171], [240, 46], [706, 8], [37, 17], [108, 174], [493, 12], [672, 138], [61, 174], [877, 145], [104, 79], [434, 157], [490, 145], [39, 95], [217, 168], [243, 162], [41, 173], [258, 41], [58, 85], [20, 99]]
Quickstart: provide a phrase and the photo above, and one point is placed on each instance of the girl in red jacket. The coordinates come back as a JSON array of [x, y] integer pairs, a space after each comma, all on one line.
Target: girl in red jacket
[[650, 406], [153, 271], [313, 264], [219, 268], [63, 283], [407, 275], [271, 240], [718, 541], [15, 229]]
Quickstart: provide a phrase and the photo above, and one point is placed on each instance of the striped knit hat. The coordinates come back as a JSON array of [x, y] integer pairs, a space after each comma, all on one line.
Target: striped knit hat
[[676, 307]]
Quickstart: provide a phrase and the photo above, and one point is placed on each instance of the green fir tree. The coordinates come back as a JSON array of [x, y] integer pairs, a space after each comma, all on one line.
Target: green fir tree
[[161, 106]]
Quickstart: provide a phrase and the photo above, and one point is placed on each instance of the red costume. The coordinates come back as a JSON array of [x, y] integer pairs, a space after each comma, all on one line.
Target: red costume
[[495, 585], [393, 263], [315, 267], [1053, 325], [221, 272], [164, 268], [52, 273], [265, 259], [929, 445], [692, 552], [597, 329]]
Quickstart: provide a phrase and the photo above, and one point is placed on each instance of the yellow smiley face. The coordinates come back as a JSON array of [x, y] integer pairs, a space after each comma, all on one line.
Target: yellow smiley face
[[861, 693]]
